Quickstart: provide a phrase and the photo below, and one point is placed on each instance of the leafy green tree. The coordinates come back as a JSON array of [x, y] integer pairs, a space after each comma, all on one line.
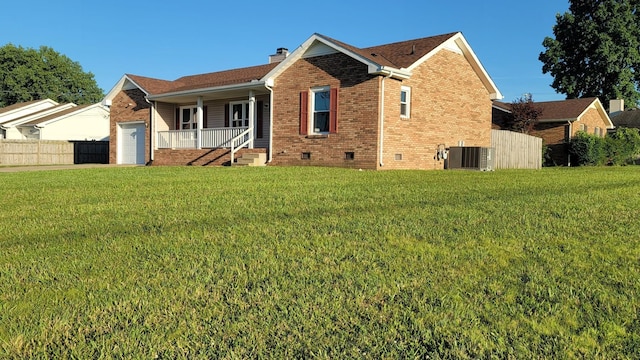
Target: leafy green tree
[[30, 74], [596, 50]]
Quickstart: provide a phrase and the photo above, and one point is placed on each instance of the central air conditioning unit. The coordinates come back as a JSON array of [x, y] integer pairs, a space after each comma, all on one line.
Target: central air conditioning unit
[[471, 157]]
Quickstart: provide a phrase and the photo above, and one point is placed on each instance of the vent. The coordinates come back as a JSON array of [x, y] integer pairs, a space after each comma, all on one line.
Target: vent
[[473, 158], [305, 156]]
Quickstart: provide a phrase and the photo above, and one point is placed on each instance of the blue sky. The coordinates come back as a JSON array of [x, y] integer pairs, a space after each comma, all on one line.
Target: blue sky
[[168, 40]]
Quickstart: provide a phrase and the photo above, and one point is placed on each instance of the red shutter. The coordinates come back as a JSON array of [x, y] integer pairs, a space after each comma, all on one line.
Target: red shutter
[[204, 116], [226, 115], [304, 113], [333, 110], [259, 119], [177, 119]]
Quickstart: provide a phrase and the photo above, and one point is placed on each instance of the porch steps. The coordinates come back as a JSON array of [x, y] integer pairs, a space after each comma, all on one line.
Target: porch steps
[[252, 159]]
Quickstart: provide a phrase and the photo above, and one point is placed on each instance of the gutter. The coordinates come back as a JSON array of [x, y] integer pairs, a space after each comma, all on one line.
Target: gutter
[[386, 71], [252, 84]]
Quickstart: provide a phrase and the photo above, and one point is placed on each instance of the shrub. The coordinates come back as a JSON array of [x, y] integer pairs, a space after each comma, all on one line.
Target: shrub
[[623, 146], [587, 149]]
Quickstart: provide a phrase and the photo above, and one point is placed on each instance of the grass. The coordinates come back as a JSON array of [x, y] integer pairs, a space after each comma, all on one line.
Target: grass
[[181, 262]]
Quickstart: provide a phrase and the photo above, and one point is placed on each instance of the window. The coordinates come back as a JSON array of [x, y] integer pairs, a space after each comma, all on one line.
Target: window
[[597, 132], [239, 114], [320, 105], [349, 155], [188, 118], [405, 102], [319, 111], [305, 156]]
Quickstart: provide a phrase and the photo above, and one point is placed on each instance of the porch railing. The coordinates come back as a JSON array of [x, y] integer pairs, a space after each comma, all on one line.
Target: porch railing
[[211, 138]]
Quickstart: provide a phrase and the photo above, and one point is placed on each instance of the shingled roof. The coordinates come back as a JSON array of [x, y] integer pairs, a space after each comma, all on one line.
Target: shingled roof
[[398, 55], [560, 110], [629, 118], [56, 115]]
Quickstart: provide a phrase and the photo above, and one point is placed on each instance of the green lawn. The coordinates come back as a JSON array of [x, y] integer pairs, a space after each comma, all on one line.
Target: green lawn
[[182, 262]]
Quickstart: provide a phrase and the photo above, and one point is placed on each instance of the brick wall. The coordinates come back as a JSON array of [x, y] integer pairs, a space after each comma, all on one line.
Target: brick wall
[[195, 157], [127, 106], [592, 118], [357, 113], [449, 104]]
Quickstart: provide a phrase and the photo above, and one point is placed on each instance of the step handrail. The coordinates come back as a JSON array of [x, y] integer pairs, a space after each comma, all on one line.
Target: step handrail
[[235, 148]]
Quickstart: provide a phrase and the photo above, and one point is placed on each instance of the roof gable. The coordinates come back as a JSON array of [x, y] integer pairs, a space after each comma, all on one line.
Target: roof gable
[[37, 115], [563, 110], [68, 112], [12, 112], [396, 59]]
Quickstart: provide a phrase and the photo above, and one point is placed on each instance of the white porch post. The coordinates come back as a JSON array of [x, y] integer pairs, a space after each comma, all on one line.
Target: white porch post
[[199, 114], [252, 116]]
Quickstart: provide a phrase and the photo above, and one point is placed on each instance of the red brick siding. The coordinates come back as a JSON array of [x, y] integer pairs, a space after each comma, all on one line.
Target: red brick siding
[[127, 106], [449, 103], [357, 113]]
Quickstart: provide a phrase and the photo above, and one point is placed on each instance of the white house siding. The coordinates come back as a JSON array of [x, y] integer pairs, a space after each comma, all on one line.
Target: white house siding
[[165, 114], [91, 124], [13, 133]]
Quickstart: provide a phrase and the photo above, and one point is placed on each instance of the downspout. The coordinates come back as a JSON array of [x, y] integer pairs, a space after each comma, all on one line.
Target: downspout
[[152, 126], [568, 144], [382, 117], [270, 122]]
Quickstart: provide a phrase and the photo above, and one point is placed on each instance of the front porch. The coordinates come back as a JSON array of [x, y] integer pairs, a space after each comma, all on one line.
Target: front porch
[[202, 147], [212, 129]]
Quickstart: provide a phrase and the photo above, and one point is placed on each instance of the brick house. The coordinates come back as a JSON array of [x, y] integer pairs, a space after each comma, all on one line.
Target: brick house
[[393, 106], [559, 122]]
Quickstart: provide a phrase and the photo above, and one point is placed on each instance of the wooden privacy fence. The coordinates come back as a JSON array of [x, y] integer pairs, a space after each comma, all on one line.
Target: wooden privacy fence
[[515, 150], [52, 152]]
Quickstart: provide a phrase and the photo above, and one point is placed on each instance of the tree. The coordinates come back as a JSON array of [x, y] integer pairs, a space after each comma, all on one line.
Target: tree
[[596, 50], [29, 74], [524, 114]]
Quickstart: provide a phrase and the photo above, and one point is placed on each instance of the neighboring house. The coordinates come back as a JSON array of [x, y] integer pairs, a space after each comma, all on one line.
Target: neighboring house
[[629, 118], [393, 106], [15, 111], [48, 120], [558, 123]]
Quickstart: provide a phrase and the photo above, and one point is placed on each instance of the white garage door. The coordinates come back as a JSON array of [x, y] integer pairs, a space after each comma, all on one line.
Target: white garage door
[[131, 141]]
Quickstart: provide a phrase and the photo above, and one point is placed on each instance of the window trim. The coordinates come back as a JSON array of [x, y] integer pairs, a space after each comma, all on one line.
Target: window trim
[[245, 108], [407, 102], [193, 111], [312, 110]]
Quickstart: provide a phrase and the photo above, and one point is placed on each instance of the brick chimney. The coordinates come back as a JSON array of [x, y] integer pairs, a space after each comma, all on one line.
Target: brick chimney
[[280, 55]]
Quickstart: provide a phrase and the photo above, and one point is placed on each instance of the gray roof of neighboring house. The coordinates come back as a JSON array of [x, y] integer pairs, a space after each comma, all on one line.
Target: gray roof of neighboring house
[[629, 118]]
